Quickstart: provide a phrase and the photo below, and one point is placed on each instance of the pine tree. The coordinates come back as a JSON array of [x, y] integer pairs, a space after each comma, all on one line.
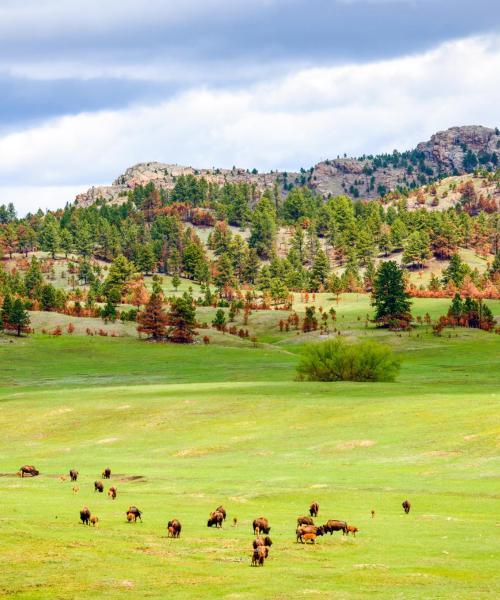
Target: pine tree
[[319, 271], [19, 318], [153, 320], [33, 279], [6, 312], [219, 321], [182, 320], [50, 237], [263, 230], [456, 308], [389, 296]]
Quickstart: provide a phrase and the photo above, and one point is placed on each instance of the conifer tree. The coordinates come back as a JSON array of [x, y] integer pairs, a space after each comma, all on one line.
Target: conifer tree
[[389, 296], [19, 318], [153, 320], [182, 320]]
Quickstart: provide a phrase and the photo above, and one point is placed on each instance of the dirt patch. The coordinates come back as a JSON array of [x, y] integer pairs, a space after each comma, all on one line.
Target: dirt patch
[[132, 477], [443, 453], [349, 445], [195, 452], [107, 440]]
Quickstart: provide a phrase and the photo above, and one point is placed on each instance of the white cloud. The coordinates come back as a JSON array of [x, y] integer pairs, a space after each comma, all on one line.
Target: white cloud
[[30, 198], [287, 123]]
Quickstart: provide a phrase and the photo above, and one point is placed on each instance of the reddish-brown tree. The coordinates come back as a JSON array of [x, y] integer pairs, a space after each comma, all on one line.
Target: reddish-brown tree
[[153, 320]]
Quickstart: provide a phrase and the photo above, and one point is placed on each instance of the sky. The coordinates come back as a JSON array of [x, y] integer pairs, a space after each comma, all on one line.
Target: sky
[[91, 87]]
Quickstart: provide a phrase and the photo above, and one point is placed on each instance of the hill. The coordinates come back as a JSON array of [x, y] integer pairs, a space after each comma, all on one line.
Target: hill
[[455, 151]]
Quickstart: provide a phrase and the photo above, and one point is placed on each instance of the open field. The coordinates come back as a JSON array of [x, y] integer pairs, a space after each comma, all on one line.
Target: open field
[[187, 428]]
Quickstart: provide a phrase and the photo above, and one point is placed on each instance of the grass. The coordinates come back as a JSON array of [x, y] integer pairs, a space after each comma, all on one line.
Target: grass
[[187, 428]]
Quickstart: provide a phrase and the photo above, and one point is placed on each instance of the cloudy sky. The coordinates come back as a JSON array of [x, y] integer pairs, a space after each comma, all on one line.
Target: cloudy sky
[[90, 87]]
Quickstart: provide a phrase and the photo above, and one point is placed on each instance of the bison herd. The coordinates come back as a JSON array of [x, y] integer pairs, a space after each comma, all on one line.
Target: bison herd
[[306, 530]]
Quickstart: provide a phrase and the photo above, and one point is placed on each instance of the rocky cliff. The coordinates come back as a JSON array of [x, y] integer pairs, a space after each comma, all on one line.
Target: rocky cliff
[[451, 152]]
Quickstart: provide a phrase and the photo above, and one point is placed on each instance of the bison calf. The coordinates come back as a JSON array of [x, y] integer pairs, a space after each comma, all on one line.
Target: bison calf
[[112, 492], [308, 537], [352, 529], [94, 520], [174, 528], [135, 512]]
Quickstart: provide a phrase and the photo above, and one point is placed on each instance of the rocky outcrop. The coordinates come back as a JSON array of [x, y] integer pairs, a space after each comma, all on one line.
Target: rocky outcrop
[[454, 151]]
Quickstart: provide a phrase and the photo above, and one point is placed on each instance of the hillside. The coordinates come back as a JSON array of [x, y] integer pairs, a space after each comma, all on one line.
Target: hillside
[[455, 151]]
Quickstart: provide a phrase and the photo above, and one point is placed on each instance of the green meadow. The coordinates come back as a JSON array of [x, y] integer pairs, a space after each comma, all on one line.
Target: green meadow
[[185, 429]]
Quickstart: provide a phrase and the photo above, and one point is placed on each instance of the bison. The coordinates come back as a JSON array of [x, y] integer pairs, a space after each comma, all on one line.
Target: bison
[[262, 541], [106, 474], [112, 492], [334, 525], [304, 521], [216, 519], [259, 554], [131, 517], [29, 471], [303, 530], [222, 510], [314, 509], [174, 528], [98, 487], [406, 506], [352, 529], [73, 474], [94, 520], [261, 525], [85, 515], [308, 537], [133, 510], [373, 514]]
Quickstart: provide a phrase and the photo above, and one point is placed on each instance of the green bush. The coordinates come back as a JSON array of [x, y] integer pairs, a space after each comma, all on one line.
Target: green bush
[[336, 360]]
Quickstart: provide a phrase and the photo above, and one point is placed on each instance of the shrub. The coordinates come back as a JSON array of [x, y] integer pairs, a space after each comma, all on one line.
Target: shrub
[[335, 360]]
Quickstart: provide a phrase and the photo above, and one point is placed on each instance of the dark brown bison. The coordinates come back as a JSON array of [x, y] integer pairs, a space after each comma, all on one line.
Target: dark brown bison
[[262, 541], [85, 515], [333, 525], [302, 530], [112, 492], [305, 521], [133, 510], [216, 518], [314, 509], [106, 474], [259, 554], [352, 529], [406, 506], [222, 510], [73, 474], [29, 471], [174, 528], [373, 514], [261, 525], [98, 487]]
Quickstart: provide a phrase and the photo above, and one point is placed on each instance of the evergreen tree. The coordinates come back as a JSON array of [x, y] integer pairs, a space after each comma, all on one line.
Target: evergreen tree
[[48, 298], [456, 308], [263, 230], [219, 321], [182, 320], [153, 320], [176, 281], [389, 296], [66, 242], [50, 237], [19, 318], [33, 279], [146, 259], [120, 272], [455, 271], [6, 312], [319, 271], [417, 249]]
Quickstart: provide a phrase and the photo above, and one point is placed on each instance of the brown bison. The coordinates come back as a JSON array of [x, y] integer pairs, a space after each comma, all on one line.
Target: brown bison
[[98, 487], [29, 471], [94, 520], [304, 521], [112, 492], [133, 510], [262, 541], [406, 506], [216, 518], [85, 515], [222, 510], [261, 525], [174, 528], [333, 525], [352, 529], [73, 474], [314, 509], [106, 474], [302, 530], [131, 517], [373, 514], [308, 537], [259, 554]]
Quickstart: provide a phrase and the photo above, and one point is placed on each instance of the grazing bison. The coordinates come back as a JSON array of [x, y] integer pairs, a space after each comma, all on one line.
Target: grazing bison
[[73, 474], [174, 528], [94, 520], [406, 506], [222, 510], [131, 517], [261, 525], [373, 514], [98, 487], [106, 474], [112, 492], [29, 471], [352, 529], [314, 509], [333, 525], [216, 518], [262, 541], [259, 554], [304, 521], [303, 530], [85, 515], [133, 510]]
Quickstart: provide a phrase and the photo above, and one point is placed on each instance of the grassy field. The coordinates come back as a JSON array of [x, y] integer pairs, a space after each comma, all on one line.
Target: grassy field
[[187, 428]]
